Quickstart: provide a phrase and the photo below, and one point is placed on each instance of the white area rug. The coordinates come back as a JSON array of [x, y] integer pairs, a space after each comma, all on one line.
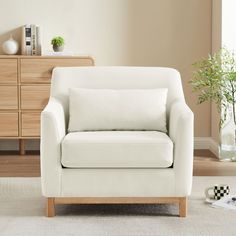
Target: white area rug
[[22, 214]]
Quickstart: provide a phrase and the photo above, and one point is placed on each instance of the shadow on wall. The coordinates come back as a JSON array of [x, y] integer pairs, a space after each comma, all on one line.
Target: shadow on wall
[[12, 145], [16, 34]]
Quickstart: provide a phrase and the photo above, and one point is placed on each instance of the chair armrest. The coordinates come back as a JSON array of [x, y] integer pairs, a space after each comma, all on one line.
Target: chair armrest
[[181, 128], [53, 130]]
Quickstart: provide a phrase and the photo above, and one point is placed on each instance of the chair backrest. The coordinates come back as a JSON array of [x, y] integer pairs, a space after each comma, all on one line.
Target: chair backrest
[[64, 78]]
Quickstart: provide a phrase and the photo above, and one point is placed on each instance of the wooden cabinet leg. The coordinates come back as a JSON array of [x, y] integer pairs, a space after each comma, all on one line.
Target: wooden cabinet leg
[[183, 207], [50, 207], [22, 146]]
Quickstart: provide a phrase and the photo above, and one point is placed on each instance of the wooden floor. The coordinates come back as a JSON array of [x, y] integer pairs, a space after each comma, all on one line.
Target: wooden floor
[[14, 165], [206, 164]]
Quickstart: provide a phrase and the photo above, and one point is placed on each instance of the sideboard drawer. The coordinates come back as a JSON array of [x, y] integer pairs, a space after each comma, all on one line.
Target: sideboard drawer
[[9, 124], [40, 70], [30, 124], [34, 97], [24, 92], [8, 97], [8, 71]]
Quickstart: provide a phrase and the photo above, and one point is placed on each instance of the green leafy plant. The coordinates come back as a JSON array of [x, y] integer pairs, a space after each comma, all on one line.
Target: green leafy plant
[[58, 41], [215, 80]]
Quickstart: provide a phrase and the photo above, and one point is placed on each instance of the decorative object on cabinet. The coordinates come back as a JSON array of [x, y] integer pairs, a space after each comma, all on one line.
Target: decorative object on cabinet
[[58, 44], [10, 46], [24, 92], [31, 40]]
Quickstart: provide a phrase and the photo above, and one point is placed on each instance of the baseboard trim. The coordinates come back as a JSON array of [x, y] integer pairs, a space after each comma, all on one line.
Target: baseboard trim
[[207, 143]]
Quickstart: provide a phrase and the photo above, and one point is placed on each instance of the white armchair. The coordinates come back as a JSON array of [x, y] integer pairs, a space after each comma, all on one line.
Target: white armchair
[[68, 173]]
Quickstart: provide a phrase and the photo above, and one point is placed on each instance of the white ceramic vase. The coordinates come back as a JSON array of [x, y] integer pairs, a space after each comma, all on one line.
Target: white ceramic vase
[[10, 46]]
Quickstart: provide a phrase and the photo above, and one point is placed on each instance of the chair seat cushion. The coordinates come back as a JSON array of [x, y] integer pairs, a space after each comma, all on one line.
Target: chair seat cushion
[[117, 149]]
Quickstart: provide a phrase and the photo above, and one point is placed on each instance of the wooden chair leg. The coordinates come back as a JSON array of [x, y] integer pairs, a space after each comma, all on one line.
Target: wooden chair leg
[[183, 207], [50, 207]]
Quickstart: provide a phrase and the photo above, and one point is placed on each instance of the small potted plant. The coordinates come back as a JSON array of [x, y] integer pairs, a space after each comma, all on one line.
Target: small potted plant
[[58, 44]]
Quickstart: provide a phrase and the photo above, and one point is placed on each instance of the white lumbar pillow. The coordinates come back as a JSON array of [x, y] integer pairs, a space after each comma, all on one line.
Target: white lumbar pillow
[[119, 109]]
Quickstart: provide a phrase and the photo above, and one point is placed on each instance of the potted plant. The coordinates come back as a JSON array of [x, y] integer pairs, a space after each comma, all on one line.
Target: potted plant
[[58, 44], [215, 81]]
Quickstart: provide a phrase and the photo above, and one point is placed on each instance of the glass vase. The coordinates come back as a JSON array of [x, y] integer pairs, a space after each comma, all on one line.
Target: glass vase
[[227, 149]]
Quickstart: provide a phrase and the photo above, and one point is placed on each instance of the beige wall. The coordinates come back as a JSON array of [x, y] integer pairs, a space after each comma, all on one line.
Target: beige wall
[[216, 45], [172, 33]]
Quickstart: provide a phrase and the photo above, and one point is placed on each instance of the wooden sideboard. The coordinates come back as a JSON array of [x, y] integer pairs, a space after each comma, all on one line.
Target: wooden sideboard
[[24, 92]]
